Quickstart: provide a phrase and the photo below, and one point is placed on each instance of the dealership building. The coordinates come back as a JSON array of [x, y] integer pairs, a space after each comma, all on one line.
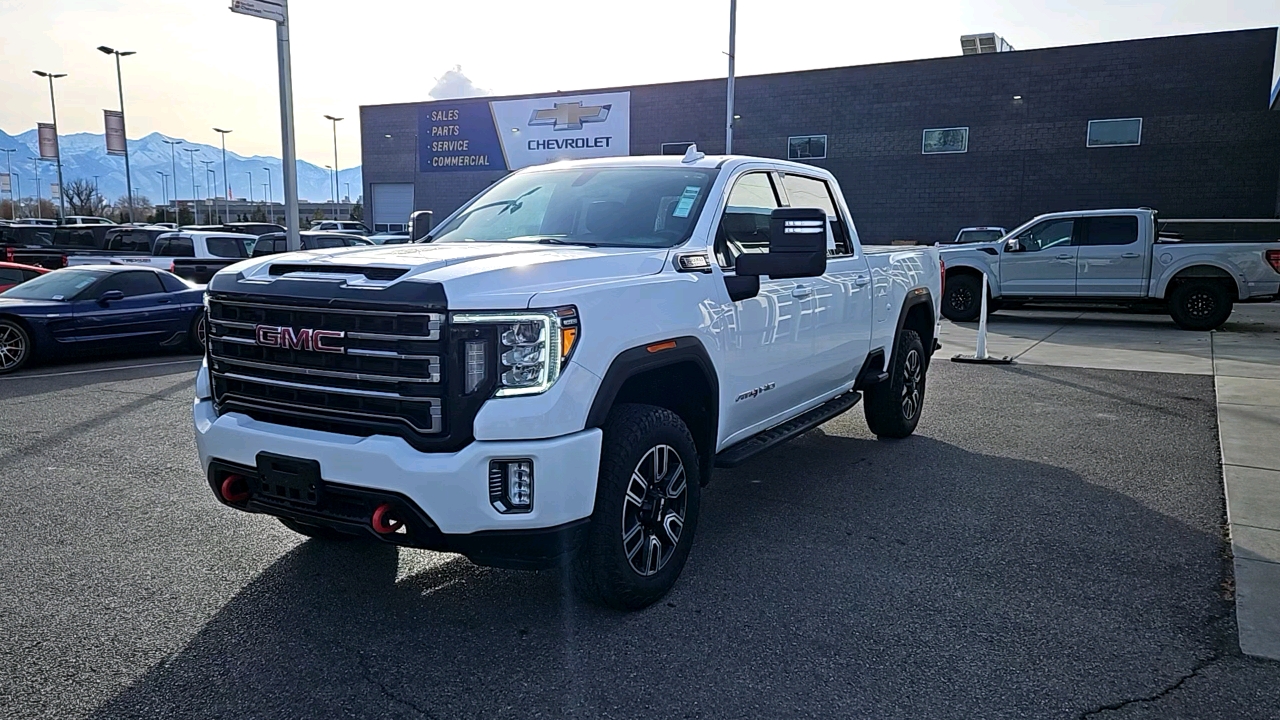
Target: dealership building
[[1188, 125]]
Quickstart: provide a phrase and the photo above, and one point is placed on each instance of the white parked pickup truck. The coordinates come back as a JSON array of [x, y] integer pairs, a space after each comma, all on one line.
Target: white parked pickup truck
[[1197, 269], [554, 376]]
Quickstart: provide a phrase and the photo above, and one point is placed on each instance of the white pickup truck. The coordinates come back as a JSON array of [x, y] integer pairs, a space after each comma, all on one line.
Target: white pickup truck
[[553, 378], [1197, 269]]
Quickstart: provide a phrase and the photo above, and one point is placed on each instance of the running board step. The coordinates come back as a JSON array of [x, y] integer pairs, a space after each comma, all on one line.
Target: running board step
[[774, 436]]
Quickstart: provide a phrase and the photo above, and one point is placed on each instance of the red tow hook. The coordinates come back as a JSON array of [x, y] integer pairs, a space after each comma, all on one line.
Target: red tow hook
[[384, 520], [234, 489]]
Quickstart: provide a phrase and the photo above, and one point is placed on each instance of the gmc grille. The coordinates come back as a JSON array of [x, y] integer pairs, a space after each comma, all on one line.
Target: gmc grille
[[389, 378]]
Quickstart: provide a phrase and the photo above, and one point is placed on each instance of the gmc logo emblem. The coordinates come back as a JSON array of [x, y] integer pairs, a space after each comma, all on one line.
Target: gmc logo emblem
[[303, 339]]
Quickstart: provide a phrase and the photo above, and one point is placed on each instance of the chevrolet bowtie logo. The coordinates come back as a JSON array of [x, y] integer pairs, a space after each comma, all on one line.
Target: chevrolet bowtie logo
[[570, 116]]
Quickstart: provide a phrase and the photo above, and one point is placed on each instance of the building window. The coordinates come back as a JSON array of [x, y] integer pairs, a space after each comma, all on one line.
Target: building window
[[1115, 133], [676, 148], [938, 141], [807, 147]]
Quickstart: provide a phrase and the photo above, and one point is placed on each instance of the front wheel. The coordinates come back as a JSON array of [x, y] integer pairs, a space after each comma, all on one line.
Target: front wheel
[[196, 333], [15, 346], [893, 407], [1200, 305], [646, 510]]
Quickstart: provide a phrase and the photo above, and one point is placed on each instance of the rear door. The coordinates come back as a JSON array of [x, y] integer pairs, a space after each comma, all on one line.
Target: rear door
[[1112, 257], [838, 304], [1044, 265]]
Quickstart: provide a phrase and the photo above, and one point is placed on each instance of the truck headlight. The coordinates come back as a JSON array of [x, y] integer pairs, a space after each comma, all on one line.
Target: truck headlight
[[533, 347]]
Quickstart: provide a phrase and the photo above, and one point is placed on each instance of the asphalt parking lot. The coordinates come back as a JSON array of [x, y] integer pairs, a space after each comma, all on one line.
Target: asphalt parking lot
[[1049, 544]]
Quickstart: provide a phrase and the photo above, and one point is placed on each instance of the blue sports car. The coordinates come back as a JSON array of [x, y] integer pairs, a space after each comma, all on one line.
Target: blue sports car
[[94, 308]]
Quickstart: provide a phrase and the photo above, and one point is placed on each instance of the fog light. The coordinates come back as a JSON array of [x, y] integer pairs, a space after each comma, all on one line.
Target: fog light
[[511, 485]]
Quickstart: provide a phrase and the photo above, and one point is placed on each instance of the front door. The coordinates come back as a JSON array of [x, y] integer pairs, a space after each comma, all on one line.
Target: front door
[[1112, 260], [146, 313], [768, 339], [1044, 263]]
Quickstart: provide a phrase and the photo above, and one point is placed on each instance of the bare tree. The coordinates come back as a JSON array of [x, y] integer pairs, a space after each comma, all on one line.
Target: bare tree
[[83, 198], [141, 208]]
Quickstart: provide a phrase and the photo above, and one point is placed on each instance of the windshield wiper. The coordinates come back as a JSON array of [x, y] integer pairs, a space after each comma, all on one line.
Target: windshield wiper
[[558, 241]]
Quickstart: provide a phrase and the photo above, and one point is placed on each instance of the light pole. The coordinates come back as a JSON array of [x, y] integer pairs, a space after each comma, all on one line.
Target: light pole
[[128, 176], [211, 185], [8, 162], [35, 162], [335, 162], [53, 104], [195, 195], [250, 174], [346, 196], [728, 122], [17, 177], [271, 203], [173, 168], [164, 178], [226, 196], [332, 192]]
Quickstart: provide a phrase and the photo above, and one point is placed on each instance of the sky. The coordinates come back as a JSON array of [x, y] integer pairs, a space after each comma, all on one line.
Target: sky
[[200, 65]]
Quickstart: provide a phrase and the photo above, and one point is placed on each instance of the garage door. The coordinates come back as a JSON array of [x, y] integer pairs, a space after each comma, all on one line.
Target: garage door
[[392, 206]]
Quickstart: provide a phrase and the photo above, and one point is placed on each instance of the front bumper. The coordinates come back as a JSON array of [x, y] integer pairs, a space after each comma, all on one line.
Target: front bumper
[[449, 490]]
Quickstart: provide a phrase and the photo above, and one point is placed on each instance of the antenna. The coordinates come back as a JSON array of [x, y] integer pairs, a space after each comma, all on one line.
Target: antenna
[[692, 155]]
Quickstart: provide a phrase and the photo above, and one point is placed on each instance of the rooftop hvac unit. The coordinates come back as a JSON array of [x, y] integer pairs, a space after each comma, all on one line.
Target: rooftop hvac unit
[[983, 43]]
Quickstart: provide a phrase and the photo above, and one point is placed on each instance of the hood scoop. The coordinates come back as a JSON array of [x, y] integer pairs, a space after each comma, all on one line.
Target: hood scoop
[[380, 274]]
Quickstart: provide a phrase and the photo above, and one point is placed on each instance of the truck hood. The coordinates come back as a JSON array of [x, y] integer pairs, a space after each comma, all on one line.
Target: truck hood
[[475, 275]]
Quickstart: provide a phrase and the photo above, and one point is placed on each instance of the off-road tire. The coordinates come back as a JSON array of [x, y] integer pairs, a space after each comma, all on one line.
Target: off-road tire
[[16, 347], [601, 571], [893, 407], [195, 333], [1200, 304], [962, 298], [315, 531]]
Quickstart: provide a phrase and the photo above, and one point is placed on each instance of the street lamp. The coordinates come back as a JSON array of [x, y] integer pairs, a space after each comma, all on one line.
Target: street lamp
[[128, 176], [195, 196], [211, 183], [335, 162], [62, 204], [173, 167], [250, 174], [226, 196], [8, 162], [346, 196], [35, 163], [164, 178], [18, 177], [271, 203], [331, 191]]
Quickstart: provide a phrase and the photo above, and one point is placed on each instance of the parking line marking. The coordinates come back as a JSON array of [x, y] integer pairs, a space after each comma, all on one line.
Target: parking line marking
[[95, 370]]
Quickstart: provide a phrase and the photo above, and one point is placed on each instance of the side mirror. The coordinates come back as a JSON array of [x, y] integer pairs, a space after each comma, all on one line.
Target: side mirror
[[420, 225], [110, 296], [797, 246], [1012, 245]]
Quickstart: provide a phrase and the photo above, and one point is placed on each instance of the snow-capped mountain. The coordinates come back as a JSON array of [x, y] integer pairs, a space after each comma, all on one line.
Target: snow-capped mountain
[[84, 155]]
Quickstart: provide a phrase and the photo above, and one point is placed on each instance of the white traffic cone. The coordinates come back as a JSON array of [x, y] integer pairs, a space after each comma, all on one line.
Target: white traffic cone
[[981, 355]]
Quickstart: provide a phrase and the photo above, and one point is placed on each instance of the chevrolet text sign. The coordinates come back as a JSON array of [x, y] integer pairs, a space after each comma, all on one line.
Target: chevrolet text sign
[[512, 134]]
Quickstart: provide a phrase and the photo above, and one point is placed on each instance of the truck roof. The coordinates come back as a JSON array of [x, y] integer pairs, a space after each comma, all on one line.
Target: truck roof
[[707, 162]]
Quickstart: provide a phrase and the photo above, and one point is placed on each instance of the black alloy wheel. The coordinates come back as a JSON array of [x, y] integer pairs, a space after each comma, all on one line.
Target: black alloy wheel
[[962, 298]]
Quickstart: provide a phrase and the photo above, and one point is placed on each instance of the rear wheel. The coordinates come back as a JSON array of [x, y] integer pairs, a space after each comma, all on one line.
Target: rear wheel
[[315, 531], [196, 333], [1200, 304], [15, 346], [646, 510], [893, 407], [962, 299]]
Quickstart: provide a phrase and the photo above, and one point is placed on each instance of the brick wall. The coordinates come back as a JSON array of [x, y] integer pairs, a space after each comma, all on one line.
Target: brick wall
[[1210, 147]]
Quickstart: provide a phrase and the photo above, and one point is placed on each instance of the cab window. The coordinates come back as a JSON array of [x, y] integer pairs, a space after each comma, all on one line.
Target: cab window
[[226, 247], [1046, 235], [744, 227], [807, 192]]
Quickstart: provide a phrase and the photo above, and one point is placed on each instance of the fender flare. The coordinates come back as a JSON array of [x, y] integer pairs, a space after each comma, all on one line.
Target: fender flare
[[1162, 287], [914, 298], [634, 361], [993, 286]]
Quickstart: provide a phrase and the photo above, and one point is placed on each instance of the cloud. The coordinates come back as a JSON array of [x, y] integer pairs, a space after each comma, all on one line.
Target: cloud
[[453, 84]]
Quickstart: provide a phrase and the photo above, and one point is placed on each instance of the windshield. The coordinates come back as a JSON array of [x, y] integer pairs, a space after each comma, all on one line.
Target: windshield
[[973, 236], [57, 285], [614, 207]]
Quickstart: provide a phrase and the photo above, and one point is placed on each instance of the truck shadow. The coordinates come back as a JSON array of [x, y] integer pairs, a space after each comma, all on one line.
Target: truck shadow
[[835, 576]]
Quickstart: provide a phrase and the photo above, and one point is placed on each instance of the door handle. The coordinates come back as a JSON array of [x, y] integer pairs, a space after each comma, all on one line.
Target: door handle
[[162, 301], [801, 291], [1064, 257], [1131, 255], [861, 280]]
